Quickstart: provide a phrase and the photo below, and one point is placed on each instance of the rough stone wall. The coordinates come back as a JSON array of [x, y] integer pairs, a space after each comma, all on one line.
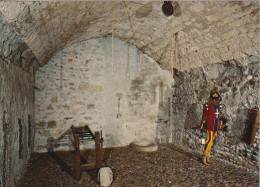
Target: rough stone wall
[[17, 64], [237, 81], [75, 88]]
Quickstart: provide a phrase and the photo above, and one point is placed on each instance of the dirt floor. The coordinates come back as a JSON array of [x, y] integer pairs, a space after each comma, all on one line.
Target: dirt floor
[[169, 166]]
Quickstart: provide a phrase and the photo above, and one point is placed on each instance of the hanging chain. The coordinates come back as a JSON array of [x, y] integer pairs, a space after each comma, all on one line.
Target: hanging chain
[[172, 45], [112, 55], [176, 52], [61, 73]]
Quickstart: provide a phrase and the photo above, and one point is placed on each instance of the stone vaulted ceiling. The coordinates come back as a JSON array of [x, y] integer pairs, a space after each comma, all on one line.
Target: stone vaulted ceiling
[[207, 32]]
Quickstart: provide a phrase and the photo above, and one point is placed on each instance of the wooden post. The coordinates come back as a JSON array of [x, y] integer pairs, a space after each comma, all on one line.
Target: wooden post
[[254, 118], [98, 151], [77, 156]]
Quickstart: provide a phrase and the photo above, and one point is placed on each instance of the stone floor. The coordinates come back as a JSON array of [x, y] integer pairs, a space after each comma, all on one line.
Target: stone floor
[[169, 166]]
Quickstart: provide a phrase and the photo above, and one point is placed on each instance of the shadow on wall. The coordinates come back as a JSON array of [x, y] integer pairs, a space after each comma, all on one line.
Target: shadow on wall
[[4, 146], [53, 144], [193, 117], [65, 139], [164, 127], [111, 140], [237, 127]]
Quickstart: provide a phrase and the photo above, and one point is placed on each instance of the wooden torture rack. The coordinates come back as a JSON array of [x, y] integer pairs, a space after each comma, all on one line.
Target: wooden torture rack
[[84, 134]]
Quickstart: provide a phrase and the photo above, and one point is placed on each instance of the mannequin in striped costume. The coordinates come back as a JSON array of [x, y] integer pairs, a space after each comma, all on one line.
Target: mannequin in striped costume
[[211, 122]]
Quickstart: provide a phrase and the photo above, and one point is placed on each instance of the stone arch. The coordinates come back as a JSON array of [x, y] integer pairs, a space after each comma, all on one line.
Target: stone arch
[[87, 95]]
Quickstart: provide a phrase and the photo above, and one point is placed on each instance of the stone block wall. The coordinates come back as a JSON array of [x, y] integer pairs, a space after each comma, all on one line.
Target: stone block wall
[[17, 66], [238, 84], [76, 88]]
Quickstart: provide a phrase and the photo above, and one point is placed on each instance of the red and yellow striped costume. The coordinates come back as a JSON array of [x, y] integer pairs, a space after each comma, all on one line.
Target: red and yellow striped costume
[[211, 121]]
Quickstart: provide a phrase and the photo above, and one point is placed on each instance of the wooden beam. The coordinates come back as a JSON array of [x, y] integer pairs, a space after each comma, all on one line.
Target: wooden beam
[[90, 167], [77, 132], [77, 156], [254, 118], [98, 150]]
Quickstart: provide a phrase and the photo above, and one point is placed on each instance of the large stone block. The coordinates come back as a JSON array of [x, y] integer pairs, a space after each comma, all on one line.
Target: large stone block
[[44, 132], [51, 124], [96, 89], [57, 132], [83, 86], [49, 107], [41, 124]]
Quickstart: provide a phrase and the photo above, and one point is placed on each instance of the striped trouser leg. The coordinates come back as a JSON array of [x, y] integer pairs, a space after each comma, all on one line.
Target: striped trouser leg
[[210, 138]]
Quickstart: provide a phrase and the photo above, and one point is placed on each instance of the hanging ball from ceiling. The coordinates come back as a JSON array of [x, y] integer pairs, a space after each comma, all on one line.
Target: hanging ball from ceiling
[[167, 8]]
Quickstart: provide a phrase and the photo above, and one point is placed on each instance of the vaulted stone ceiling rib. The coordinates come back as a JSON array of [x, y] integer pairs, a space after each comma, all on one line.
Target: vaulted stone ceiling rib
[[208, 32]]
